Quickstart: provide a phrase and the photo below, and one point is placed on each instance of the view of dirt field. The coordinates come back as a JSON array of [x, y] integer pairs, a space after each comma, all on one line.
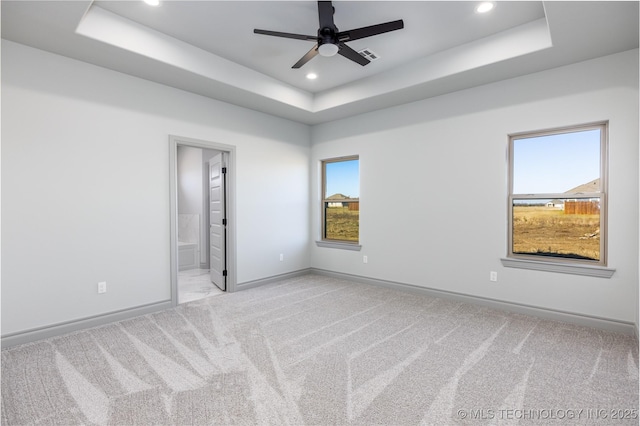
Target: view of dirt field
[[537, 230], [545, 231], [342, 224]]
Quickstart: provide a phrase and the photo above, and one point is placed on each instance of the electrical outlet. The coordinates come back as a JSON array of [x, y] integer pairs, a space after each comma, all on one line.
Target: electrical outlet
[[102, 287], [365, 259], [493, 276], [281, 257]]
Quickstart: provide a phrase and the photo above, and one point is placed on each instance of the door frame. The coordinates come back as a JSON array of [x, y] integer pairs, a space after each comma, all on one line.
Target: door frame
[[230, 191]]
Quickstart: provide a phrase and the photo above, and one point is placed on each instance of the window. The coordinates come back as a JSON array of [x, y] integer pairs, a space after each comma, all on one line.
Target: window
[[557, 195], [341, 200]]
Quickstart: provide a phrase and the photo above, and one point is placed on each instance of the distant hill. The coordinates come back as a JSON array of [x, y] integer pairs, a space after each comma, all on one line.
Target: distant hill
[[340, 197], [592, 186]]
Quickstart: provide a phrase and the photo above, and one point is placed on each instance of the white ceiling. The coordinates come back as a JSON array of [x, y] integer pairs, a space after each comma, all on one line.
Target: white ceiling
[[226, 29], [209, 48]]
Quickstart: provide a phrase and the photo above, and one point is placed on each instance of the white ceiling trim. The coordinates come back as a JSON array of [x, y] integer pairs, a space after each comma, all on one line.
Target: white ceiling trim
[[562, 33], [110, 28], [107, 27], [509, 44]]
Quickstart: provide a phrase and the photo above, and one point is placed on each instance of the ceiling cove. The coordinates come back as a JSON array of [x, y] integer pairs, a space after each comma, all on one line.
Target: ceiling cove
[[210, 48]]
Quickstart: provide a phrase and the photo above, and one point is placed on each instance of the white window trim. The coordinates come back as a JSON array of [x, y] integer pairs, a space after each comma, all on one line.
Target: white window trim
[[560, 265], [339, 245], [329, 243], [574, 269]]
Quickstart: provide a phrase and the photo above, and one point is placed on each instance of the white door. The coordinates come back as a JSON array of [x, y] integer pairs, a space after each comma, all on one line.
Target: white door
[[217, 222]]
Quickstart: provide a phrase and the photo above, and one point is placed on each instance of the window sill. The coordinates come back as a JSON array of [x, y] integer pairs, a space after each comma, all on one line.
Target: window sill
[[339, 245], [574, 269]]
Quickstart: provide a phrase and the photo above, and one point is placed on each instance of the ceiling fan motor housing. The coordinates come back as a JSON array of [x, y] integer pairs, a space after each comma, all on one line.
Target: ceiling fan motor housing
[[327, 41]]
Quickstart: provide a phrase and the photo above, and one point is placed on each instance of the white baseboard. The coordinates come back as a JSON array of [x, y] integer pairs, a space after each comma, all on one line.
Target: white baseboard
[[274, 278], [47, 332], [54, 330], [551, 314]]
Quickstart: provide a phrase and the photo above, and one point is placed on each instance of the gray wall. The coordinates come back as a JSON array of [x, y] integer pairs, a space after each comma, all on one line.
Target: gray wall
[[434, 187], [190, 183], [85, 187]]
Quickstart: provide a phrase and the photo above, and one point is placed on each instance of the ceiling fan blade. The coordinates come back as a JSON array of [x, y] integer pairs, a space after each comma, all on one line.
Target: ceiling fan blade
[[372, 30], [307, 57], [286, 35], [349, 53], [325, 14]]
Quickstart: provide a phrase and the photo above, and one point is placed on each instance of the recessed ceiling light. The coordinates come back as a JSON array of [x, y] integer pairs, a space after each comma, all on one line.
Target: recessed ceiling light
[[485, 7], [152, 2], [312, 76]]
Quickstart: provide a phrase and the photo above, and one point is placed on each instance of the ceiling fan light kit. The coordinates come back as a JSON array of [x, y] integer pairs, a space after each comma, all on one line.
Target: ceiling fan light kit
[[328, 49], [330, 41]]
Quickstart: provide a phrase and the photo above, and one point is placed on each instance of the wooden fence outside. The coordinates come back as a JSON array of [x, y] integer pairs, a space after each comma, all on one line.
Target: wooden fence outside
[[354, 206], [582, 207]]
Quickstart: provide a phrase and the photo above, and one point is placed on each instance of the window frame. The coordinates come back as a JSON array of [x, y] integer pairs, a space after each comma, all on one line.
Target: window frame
[[330, 242], [557, 263]]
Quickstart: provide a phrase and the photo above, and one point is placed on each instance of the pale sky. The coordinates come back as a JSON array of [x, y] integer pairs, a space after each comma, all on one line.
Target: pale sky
[[343, 177], [556, 163]]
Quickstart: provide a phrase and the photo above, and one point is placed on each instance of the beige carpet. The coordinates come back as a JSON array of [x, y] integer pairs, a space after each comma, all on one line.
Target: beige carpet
[[320, 351]]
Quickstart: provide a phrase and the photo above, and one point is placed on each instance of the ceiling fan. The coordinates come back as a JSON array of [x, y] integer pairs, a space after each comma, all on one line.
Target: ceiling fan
[[330, 41]]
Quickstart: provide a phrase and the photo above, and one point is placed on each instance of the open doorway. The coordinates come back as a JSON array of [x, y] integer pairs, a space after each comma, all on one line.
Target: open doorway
[[202, 232]]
